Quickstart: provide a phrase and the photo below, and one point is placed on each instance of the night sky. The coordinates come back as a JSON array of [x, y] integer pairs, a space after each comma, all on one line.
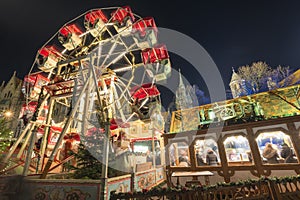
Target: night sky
[[234, 33]]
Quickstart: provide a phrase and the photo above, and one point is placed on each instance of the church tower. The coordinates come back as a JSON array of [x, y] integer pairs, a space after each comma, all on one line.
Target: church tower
[[237, 85], [11, 99], [183, 99]]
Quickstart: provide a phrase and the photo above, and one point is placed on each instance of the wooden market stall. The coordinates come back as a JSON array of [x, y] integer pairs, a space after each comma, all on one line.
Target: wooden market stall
[[257, 134]]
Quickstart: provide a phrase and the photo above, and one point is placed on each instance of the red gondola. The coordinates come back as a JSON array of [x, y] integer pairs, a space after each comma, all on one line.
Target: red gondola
[[122, 14], [144, 91], [94, 21], [123, 19], [155, 54], [144, 97], [28, 110], [69, 36], [117, 123], [145, 32], [70, 136], [157, 62], [48, 57], [32, 85], [53, 134]]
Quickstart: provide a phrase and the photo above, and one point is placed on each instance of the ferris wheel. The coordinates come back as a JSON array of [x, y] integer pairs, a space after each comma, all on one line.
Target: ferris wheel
[[101, 66]]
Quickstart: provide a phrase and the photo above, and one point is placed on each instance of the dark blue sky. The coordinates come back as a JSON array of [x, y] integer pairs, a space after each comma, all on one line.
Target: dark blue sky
[[234, 33]]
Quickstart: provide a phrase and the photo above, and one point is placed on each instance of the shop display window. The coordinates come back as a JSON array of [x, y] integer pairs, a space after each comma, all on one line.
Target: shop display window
[[179, 155], [238, 150], [206, 152], [144, 151], [276, 147]]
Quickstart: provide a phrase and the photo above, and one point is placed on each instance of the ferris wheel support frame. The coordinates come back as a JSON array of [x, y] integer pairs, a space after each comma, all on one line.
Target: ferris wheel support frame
[[65, 128], [46, 134], [30, 151]]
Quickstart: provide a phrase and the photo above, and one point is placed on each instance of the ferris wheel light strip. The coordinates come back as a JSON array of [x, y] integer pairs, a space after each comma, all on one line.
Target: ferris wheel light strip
[[85, 33], [64, 51], [123, 69]]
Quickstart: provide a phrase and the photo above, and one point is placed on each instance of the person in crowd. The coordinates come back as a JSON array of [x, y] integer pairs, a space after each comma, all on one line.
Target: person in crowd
[[122, 144], [270, 154], [250, 157], [157, 156], [149, 157], [211, 157], [200, 161], [287, 154], [184, 160]]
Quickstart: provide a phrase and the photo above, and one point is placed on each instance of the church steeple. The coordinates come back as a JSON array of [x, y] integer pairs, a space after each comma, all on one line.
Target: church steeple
[[180, 85], [183, 99], [237, 85]]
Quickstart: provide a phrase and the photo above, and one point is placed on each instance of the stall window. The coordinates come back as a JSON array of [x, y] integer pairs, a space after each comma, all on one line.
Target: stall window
[[238, 150], [276, 147], [206, 152], [179, 155], [145, 148]]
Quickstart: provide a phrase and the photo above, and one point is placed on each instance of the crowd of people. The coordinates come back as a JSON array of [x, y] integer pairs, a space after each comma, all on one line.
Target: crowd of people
[[211, 158], [272, 156]]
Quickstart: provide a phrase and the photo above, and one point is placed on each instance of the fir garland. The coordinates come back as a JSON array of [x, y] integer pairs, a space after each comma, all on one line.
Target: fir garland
[[160, 190]]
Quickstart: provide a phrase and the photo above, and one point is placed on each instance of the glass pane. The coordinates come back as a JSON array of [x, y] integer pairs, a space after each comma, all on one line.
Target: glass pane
[[238, 150], [179, 154], [276, 148], [206, 152]]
